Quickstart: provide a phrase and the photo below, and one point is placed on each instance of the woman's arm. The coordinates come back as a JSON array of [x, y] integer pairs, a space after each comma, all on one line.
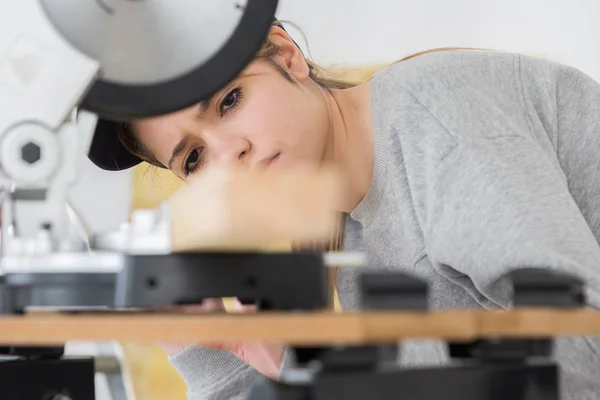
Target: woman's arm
[[527, 199], [212, 374], [502, 205], [524, 200], [222, 370]]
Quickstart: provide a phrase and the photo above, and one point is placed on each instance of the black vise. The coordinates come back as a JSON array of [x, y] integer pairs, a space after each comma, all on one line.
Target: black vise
[[537, 287], [381, 290]]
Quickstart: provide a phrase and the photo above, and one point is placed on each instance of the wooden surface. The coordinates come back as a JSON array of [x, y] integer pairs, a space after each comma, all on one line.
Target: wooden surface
[[152, 376], [302, 328], [152, 186]]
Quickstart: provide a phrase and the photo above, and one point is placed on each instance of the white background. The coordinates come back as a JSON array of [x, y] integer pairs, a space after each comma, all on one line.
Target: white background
[[385, 30], [379, 31]]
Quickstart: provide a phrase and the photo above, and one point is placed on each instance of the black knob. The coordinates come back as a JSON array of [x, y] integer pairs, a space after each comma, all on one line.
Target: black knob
[[31, 153]]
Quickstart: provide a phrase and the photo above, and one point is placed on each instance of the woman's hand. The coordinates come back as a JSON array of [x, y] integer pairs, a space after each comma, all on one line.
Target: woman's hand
[[265, 358]]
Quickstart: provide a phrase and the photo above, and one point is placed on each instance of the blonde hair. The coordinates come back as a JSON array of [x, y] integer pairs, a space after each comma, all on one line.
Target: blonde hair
[[325, 80]]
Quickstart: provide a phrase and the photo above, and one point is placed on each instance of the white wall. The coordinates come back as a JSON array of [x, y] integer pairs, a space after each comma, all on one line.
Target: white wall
[[379, 31]]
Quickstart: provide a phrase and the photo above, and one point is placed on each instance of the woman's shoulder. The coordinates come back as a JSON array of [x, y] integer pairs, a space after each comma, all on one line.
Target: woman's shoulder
[[446, 84], [450, 67], [470, 70], [467, 83], [452, 57]]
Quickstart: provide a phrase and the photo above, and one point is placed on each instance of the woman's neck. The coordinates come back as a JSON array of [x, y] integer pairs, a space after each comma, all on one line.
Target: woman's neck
[[350, 144]]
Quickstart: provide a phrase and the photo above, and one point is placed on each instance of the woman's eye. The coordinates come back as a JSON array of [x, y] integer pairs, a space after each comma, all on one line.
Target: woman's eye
[[230, 101], [193, 161]]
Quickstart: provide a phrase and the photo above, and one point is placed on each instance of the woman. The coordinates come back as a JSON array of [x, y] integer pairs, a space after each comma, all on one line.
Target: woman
[[458, 167]]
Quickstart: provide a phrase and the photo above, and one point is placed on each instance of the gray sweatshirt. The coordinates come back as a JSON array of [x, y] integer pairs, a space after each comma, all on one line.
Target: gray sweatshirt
[[484, 162]]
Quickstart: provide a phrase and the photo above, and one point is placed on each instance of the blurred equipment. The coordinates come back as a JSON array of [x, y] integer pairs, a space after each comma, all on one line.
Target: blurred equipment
[[63, 65], [66, 63]]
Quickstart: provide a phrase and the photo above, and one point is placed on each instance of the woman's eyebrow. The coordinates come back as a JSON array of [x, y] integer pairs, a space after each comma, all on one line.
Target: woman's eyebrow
[[177, 150], [205, 105]]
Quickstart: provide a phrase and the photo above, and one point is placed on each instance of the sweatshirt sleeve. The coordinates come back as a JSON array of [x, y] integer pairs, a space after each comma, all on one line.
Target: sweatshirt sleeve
[[514, 201], [521, 192], [214, 374], [507, 202], [503, 204]]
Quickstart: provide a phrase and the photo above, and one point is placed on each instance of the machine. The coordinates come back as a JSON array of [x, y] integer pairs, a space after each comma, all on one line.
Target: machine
[[66, 63]]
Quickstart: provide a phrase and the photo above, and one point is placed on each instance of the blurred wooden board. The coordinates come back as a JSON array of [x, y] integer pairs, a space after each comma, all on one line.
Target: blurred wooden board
[[300, 328], [152, 186], [152, 376]]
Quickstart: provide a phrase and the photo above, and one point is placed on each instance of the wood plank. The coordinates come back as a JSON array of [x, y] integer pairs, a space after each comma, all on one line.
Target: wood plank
[[235, 209], [539, 322], [301, 328], [152, 376]]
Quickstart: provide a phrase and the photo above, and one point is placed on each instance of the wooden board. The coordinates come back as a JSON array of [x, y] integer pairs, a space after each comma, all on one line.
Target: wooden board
[[300, 328], [152, 376]]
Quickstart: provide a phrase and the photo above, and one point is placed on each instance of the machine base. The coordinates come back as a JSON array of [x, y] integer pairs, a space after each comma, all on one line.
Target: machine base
[[474, 381], [47, 379]]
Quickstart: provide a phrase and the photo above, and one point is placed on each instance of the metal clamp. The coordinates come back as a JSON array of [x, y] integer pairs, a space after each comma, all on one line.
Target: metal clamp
[[392, 290]]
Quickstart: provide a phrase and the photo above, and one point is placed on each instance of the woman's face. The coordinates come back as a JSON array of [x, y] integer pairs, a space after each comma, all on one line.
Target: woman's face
[[259, 120]]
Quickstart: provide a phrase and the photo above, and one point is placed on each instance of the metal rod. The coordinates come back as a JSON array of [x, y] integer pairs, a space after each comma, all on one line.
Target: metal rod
[[107, 262], [345, 259]]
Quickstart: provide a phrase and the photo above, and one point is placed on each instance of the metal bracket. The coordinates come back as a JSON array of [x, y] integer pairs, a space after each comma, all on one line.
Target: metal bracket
[[392, 290], [345, 358], [499, 350], [536, 287]]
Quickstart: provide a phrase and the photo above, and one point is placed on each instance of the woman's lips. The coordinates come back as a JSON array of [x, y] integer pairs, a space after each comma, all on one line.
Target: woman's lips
[[274, 159], [268, 161]]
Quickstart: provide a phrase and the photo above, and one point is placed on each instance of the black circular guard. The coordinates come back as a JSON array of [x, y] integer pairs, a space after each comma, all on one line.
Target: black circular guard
[[118, 102]]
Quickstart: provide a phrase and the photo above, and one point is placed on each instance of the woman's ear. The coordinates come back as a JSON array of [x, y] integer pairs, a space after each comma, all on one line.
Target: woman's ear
[[289, 55]]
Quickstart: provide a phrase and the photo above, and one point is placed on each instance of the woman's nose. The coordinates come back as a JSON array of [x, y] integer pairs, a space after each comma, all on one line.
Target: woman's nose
[[232, 151]]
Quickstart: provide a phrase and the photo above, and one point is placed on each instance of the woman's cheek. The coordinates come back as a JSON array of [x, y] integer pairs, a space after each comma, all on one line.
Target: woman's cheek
[[259, 123]]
